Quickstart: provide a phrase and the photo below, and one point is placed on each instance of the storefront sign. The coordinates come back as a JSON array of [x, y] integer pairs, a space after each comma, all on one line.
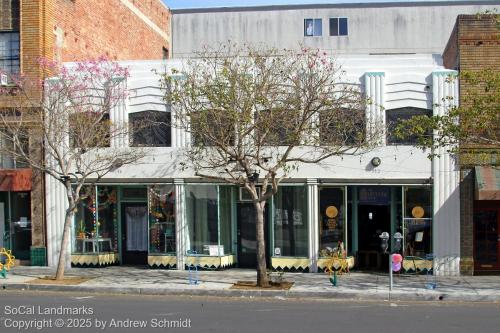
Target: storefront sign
[[332, 212], [15, 180], [378, 195]]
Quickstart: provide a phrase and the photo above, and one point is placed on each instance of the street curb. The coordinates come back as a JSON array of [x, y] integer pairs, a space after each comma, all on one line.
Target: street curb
[[432, 296]]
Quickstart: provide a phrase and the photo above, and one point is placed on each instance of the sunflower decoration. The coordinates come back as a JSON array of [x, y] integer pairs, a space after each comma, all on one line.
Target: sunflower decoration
[[6, 259]]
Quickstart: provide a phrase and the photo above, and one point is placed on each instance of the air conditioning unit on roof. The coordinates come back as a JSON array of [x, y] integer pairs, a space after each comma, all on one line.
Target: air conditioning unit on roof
[[4, 79]]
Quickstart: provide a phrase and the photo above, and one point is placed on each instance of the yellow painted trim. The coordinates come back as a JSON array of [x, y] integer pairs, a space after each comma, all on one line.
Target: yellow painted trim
[[210, 262], [94, 259], [322, 262], [280, 262], [162, 260], [418, 264]]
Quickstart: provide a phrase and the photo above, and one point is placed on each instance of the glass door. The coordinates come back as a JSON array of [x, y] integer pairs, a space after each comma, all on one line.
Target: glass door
[[135, 233]]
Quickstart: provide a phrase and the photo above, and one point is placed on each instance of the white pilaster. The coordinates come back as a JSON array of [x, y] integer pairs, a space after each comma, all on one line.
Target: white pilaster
[[445, 170], [181, 231], [56, 205], [375, 112], [312, 217], [118, 115], [179, 135]]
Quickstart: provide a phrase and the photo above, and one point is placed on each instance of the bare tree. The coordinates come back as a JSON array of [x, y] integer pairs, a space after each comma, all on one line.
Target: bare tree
[[256, 115], [70, 122]]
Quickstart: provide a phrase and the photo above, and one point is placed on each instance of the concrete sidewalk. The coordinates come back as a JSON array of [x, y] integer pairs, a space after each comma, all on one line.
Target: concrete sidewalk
[[360, 286]]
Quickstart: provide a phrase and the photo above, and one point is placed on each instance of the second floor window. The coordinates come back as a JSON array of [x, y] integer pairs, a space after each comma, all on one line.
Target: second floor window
[[9, 52], [150, 129], [14, 157], [394, 116], [9, 36], [89, 130], [342, 127], [338, 26], [313, 27]]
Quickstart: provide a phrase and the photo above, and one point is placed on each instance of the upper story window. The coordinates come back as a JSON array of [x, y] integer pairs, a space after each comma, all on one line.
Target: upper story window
[[342, 127], [9, 52], [212, 128], [313, 27], [9, 36], [89, 130], [392, 117], [150, 129], [338, 26], [13, 156]]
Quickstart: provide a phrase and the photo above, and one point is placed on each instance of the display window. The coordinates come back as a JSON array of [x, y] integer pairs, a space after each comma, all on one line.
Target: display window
[[417, 221], [290, 222], [162, 230]]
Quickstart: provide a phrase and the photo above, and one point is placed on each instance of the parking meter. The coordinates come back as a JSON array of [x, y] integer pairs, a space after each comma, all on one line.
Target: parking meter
[[398, 238], [384, 238]]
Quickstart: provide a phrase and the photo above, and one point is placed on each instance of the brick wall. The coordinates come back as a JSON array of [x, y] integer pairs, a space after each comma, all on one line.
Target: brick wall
[[473, 45], [112, 28], [466, 219], [69, 30]]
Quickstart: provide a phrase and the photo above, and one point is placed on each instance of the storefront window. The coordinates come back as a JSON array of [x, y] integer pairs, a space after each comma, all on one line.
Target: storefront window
[[96, 221], [107, 217], [331, 218], [418, 221], [162, 220], [85, 220], [209, 219], [290, 222]]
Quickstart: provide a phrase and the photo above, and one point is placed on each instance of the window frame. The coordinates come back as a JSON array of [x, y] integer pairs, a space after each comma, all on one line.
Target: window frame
[[314, 22], [158, 113], [338, 19], [10, 57], [390, 124]]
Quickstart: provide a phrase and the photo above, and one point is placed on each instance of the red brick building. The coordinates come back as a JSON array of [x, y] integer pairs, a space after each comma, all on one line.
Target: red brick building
[[475, 45], [64, 30]]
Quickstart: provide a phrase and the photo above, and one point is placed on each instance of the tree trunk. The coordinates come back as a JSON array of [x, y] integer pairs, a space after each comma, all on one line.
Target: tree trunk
[[262, 279], [61, 264]]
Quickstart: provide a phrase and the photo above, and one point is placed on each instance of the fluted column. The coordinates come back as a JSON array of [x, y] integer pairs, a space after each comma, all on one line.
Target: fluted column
[[312, 217], [118, 116], [445, 171], [375, 113], [181, 231]]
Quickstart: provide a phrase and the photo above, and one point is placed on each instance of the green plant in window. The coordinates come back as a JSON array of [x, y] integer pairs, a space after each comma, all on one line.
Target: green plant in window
[[81, 230]]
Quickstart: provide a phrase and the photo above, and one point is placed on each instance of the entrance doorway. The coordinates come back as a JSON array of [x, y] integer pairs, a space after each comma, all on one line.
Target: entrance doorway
[[134, 233], [487, 237], [373, 220], [15, 223], [247, 235]]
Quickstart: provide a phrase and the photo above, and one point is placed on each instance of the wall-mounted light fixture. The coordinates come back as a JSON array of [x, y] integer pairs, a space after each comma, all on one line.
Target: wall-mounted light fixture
[[376, 161]]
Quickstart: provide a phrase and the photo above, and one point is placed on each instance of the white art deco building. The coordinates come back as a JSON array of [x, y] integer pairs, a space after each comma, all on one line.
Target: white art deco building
[[154, 213]]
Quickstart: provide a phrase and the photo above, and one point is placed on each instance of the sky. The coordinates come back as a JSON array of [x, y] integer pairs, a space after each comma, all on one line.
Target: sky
[[176, 4]]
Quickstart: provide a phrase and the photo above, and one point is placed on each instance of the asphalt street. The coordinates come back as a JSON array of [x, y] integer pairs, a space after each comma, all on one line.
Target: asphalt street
[[64, 312]]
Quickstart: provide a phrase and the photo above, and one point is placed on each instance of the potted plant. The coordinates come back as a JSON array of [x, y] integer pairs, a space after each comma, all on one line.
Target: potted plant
[[81, 230]]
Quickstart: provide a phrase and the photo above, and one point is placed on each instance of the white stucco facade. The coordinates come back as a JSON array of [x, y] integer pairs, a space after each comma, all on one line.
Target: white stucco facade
[[391, 81]]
